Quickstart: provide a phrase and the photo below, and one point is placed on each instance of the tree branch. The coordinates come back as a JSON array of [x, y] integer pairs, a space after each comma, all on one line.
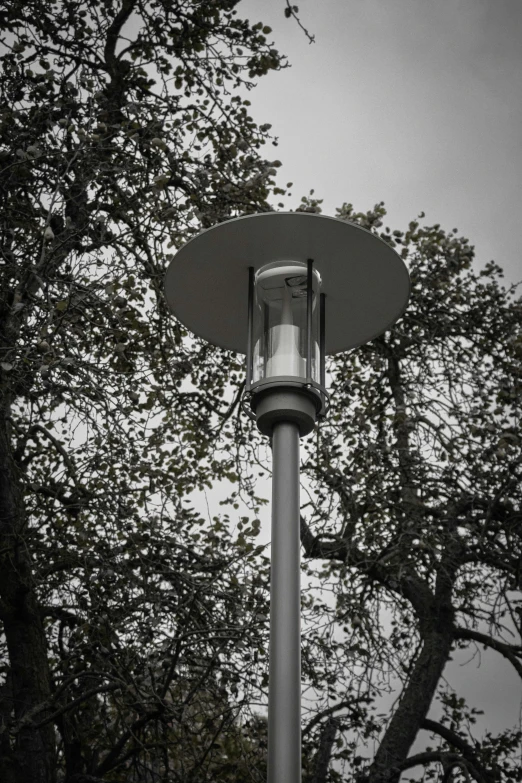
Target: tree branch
[[113, 756], [477, 770], [60, 614], [507, 650], [59, 448], [428, 757], [407, 585], [114, 30], [343, 705], [324, 752], [70, 705]]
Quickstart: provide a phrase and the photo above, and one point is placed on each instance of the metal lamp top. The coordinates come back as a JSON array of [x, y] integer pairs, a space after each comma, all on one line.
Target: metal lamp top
[[366, 283]]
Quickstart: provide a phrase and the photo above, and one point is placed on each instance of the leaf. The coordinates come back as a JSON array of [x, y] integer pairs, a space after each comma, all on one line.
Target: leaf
[[159, 143], [6, 366]]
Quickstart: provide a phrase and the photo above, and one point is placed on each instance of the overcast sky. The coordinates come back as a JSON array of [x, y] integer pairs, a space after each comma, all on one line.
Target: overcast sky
[[417, 103]]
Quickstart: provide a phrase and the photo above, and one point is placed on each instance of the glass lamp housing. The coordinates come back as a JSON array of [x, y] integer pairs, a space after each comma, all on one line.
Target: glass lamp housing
[[280, 323]]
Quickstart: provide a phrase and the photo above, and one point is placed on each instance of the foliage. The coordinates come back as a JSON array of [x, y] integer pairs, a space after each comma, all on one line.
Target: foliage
[[415, 510], [125, 129], [135, 627]]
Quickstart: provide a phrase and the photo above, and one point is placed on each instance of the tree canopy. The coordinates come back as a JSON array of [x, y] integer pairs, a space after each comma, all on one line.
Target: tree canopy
[[416, 514], [134, 642], [125, 128]]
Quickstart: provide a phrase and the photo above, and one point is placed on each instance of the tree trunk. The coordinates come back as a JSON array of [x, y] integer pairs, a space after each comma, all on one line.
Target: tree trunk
[[324, 752], [414, 703], [29, 758]]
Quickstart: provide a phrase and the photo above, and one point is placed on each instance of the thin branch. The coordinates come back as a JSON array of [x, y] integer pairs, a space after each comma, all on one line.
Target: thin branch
[[87, 695], [428, 757], [408, 585], [349, 705], [58, 446], [508, 651], [112, 759], [481, 774], [290, 12]]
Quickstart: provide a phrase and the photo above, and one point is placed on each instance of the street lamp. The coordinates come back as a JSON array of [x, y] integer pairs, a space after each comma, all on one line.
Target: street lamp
[[286, 289]]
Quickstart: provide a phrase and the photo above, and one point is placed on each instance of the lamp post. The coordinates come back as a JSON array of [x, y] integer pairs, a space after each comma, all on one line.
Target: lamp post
[[286, 288]]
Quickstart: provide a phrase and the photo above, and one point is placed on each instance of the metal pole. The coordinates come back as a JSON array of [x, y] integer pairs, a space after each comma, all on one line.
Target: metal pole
[[309, 307], [284, 698], [322, 336], [250, 327]]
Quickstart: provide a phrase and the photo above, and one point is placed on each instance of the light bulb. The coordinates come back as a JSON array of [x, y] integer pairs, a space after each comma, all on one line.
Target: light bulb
[[281, 289], [285, 358]]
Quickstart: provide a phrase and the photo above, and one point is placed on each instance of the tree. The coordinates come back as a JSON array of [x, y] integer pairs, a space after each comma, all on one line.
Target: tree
[[135, 628], [415, 516], [125, 129]]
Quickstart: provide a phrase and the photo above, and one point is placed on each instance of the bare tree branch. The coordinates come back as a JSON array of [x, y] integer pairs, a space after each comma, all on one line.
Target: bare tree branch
[[512, 653]]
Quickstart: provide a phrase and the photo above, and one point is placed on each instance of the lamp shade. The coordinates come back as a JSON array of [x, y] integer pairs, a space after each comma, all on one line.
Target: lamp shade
[[365, 281]]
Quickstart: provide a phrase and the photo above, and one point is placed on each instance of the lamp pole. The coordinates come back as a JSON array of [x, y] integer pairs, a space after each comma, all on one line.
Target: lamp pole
[[284, 699], [286, 289]]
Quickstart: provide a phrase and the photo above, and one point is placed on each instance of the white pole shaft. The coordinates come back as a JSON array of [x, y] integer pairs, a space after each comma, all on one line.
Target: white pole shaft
[[284, 698]]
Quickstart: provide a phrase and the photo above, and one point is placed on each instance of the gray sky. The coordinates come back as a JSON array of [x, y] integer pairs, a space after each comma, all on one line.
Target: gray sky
[[417, 103]]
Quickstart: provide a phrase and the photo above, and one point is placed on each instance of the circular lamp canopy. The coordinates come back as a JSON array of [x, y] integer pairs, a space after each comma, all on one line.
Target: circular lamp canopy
[[366, 283]]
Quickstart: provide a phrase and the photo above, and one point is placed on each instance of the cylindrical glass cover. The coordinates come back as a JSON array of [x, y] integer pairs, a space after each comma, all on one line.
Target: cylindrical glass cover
[[280, 321]]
